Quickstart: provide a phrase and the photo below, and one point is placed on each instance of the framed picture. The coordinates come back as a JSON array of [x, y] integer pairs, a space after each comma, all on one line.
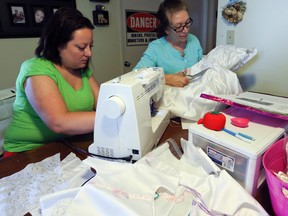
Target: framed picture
[[17, 14], [26, 18], [101, 17], [40, 15]]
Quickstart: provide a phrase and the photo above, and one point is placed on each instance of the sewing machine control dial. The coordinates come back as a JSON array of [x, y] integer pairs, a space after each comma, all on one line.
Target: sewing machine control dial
[[114, 107]]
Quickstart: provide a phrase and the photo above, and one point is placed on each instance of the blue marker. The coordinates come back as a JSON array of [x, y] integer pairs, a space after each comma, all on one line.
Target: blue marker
[[246, 136], [239, 135]]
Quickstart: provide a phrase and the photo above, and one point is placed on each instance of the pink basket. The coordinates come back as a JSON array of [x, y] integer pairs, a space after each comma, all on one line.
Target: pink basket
[[273, 161]]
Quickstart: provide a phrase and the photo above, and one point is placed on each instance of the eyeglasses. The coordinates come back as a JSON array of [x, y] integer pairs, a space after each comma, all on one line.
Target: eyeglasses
[[181, 28]]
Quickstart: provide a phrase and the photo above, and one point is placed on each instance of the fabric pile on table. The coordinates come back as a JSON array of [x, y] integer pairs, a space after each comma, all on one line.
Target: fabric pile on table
[[157, 184]]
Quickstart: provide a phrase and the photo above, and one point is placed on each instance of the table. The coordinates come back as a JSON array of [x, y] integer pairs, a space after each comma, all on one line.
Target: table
[[174, 130]]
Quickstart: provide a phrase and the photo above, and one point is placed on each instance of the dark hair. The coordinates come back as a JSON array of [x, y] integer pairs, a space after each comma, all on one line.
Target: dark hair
[[58, 31], [168, 6]]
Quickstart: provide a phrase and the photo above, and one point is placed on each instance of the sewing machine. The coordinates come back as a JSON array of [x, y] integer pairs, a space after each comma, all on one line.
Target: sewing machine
[[128, 122]]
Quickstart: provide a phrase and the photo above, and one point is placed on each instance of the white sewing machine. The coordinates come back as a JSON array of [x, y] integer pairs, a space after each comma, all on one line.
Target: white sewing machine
[[127, 121]]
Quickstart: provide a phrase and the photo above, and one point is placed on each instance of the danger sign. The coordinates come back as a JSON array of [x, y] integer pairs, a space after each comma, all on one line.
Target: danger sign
[[141, 27]]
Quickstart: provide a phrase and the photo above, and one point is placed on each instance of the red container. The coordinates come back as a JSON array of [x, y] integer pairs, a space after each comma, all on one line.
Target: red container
[[274, 161]]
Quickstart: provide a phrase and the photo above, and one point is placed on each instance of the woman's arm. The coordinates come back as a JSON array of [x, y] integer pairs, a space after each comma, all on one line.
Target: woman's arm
[[95, 89], [46, 99]]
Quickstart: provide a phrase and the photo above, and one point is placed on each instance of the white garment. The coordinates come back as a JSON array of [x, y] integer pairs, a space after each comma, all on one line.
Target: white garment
[[220, 79], [132, 186], [186, 102], [182, 187], [221, 193]]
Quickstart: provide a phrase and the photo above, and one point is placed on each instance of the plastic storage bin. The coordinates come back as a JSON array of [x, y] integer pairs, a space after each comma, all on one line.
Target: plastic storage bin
[[234, 162], [243, 161], [7, 97], [245, 169], [273, 161]]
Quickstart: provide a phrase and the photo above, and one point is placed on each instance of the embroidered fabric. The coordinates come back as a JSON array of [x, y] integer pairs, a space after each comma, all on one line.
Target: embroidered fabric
[[21, 192]]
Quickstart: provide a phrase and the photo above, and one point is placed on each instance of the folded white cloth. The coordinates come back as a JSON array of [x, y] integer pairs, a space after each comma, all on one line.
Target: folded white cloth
[[158, 184]]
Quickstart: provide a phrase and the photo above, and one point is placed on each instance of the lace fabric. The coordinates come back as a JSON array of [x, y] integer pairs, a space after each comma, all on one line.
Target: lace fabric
[[21, 192]]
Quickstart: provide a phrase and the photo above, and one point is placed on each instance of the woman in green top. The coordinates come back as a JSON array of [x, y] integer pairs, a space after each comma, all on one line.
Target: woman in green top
[[56, 92]]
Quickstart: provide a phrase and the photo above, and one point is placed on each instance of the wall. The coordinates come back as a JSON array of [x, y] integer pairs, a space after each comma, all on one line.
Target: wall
[[264, 27], [107, 51], [203, 13], [13, 53]]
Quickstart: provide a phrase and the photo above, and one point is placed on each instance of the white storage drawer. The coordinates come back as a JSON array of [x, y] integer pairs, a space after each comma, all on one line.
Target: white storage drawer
[[7, 97]]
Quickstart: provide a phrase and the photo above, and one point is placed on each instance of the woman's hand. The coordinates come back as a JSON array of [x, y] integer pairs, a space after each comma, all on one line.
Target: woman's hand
[[176, 80]]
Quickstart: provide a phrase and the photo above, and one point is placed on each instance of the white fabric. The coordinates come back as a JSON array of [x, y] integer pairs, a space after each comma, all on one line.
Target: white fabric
[[132, 187], [229, 56], [221, 193], [20, 193], [182, 185], [219, 79], [57, 203]]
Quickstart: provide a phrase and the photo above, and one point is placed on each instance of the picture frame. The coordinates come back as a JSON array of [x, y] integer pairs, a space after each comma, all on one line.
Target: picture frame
[[40, 15], [26, 18], [17, 14], [101, 18]]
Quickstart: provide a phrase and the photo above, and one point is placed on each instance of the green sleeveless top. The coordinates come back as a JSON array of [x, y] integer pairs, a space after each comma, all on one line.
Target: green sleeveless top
[[26, 130]]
